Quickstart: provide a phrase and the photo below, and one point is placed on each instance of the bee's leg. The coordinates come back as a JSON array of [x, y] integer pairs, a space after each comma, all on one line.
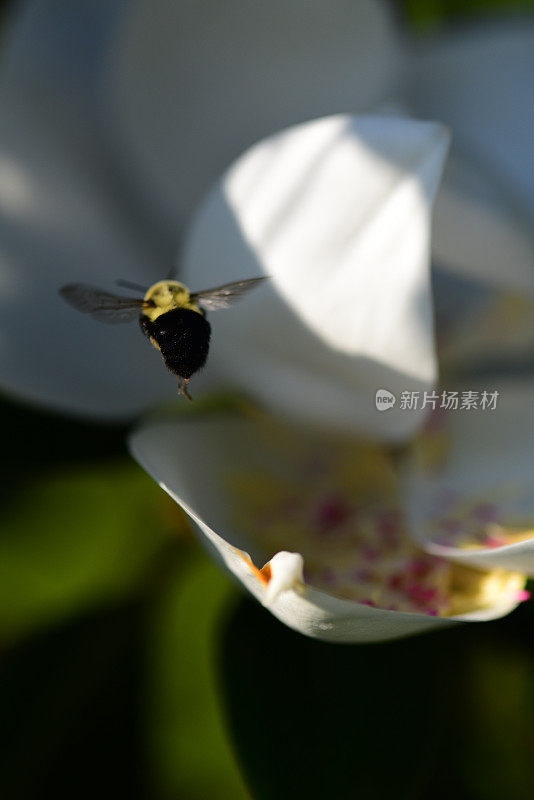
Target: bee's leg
[[182, 387]]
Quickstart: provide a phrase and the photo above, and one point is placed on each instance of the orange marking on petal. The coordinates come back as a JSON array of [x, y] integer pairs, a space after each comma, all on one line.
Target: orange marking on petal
[[263, 575]]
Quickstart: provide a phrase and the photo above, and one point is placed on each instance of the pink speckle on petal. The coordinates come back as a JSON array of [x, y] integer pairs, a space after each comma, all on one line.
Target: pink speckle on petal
[[395, 581], [419, 567], [494, 541], [523, 595], [331, 513], [421, 594]]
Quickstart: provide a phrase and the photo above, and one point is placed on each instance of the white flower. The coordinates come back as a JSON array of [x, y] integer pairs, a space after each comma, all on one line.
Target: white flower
[[336, 211], [332, 209]]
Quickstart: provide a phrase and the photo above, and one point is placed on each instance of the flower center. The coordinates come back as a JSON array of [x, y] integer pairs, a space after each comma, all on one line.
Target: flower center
[[338, 507]]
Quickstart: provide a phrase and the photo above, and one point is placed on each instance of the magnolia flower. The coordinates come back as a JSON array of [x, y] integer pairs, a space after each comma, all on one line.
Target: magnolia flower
[[313, 522], [336, 211]]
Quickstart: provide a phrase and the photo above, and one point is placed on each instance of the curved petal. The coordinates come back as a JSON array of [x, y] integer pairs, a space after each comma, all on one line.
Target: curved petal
[[194, 85], [192, 461], [59, 223], [478, 79], [481, 228], [336, 212], [470, 490]]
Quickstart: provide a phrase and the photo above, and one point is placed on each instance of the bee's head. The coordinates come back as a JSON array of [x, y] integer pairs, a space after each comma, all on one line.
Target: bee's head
[[167, 293], [165, 296]]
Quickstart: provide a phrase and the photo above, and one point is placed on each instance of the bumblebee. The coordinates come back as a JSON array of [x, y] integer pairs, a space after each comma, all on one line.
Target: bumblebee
[[171, 316]]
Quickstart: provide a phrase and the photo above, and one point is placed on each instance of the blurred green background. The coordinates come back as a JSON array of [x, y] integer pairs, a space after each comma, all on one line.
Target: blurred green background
[[443, 12], [130, 667]]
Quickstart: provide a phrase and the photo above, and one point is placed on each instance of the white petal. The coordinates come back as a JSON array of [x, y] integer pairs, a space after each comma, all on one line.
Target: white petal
[[193, 85], [481, 228], [192, 461], [337, 213], [488, 463], [479, 80], [59, 224]]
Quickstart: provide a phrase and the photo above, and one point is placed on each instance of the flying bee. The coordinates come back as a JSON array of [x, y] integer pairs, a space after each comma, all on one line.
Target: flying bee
[[172, 317]]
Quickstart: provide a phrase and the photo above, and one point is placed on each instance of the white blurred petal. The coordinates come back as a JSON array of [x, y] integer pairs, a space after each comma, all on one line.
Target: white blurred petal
[[191, 460], [483, 483], [193, 85], [480, 229], [337, 213], [60, 224], [478, 79]]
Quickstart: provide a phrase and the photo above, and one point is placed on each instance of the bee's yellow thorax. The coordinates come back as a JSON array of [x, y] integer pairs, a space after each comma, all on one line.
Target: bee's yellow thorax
[[165, 296]]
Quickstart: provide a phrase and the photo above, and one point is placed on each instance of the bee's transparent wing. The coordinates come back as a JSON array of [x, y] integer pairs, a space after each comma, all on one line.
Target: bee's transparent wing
[[224, 296], [103, 306]]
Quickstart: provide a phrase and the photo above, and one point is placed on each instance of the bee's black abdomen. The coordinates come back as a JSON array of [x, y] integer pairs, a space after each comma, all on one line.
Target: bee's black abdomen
[[183, 337]]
